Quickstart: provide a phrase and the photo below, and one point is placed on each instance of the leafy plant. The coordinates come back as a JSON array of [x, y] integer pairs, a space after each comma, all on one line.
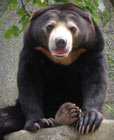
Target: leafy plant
[[108, 110], [110, 58], [105, 17], [90, 6]]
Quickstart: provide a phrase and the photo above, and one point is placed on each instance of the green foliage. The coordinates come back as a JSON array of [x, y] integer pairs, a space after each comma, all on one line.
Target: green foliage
[[39, 3], [90, 6], [11, 3], [12, 30], [24, 18], [109, 110], [105, 17], [110, 58], [58, 1]]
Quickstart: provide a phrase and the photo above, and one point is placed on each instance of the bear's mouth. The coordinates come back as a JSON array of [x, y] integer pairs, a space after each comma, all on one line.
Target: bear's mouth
[[60, 52]]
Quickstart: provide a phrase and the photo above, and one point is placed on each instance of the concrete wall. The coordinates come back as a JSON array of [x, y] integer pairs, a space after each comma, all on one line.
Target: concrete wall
[[9, 52], [109, 38]]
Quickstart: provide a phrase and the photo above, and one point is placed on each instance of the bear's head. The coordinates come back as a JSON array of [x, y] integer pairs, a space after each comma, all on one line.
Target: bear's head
[[61, 32]]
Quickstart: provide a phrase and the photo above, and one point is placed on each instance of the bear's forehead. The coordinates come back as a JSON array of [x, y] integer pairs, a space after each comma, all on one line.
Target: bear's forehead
[[59, 14]]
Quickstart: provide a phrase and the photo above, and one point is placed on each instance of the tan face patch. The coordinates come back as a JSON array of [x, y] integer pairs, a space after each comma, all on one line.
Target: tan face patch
[[60, 31], [64, 61]]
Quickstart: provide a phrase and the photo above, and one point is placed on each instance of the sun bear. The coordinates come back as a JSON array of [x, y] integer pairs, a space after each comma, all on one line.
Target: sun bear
[[62, 61]]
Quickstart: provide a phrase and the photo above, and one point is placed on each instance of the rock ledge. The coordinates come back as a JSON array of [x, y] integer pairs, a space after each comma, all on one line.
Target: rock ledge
[[105, 132]]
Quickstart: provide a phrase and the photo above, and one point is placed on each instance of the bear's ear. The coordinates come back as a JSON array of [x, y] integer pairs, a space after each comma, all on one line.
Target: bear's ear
[[40, 11], [88, 16], [36, 13], [85, 15]]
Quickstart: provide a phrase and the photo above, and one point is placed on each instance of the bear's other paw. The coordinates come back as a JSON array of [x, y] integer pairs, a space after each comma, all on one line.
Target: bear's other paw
[[42, 123], [67, 114], [89, 121]]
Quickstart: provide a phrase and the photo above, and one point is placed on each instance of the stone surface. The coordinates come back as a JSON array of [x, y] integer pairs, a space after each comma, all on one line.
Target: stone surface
[[105, 132], [9, 53]]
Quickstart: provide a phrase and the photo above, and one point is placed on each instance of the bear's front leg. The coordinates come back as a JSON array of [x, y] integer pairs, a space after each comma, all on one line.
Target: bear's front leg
[[31, 91], [89, 121], [94, 85]]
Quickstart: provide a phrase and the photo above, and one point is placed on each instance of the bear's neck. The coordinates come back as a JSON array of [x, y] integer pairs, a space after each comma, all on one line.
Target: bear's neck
[[64, 61]]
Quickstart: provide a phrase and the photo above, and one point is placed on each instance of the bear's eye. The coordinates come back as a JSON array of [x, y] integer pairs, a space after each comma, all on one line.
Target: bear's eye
[[50, 28], [73, 29]]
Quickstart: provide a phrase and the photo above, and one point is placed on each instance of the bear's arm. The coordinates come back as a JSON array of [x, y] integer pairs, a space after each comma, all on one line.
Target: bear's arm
[[94, 81], [93, 85], [30, 90]]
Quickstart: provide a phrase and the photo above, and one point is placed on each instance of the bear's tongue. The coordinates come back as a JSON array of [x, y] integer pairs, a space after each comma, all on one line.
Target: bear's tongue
[[58, 52]]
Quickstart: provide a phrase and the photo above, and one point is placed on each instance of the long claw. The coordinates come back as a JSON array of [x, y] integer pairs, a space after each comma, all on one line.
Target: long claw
[[72, 110], [73, 104], [79, 132], [80, 110], [87, 130], [46, 121], [82, 130], [77, 107], [74, 115], [77, 125], [53, 120], [93, 128], [50, 122], [37, 125]]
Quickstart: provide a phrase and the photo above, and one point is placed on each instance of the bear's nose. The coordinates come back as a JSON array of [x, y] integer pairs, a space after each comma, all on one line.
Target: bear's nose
[[60, 43]]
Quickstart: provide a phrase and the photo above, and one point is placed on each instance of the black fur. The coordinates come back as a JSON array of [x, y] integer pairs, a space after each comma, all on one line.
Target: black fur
[[11, 119], [44, 85]]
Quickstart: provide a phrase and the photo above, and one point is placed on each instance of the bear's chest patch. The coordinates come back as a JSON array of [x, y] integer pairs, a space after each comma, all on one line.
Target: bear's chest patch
[[64, 61]]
